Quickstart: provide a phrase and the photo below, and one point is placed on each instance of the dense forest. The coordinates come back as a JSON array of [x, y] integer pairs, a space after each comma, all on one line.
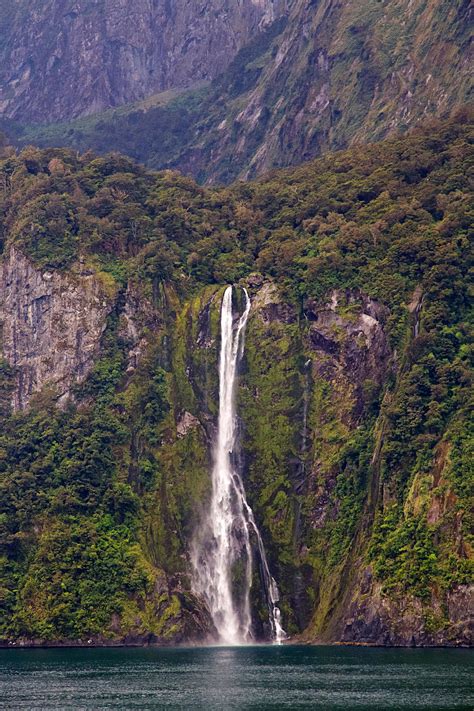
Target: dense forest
[[354, 397]]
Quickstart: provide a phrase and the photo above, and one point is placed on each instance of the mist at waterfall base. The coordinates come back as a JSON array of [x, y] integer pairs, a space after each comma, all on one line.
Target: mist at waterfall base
[[223, 554]]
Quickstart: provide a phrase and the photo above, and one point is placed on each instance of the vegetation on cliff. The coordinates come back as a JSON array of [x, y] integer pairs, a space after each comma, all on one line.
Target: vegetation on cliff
[[356, 447]]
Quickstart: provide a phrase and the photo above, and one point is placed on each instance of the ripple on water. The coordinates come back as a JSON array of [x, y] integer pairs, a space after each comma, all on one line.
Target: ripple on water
[[236, 678]]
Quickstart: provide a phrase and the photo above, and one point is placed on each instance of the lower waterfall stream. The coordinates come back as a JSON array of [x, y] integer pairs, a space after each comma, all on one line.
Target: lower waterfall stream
[[223, 545]]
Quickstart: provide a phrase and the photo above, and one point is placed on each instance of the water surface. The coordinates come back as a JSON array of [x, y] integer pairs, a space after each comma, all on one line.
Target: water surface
[[257, 677]]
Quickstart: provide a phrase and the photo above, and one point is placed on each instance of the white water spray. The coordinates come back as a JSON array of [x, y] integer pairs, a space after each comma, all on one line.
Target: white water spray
[[222, 557]]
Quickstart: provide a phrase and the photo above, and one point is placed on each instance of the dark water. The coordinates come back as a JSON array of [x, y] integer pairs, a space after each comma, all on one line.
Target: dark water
[[236, 678]]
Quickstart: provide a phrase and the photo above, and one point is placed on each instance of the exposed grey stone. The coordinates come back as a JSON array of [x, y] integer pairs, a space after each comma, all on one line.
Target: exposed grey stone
[[373, 618], [51, 325], [186, 423], [76, 57], [351, 346]]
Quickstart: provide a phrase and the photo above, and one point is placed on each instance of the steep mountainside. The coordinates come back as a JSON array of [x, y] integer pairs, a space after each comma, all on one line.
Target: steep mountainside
[[59, 60], [330, 75], [354, 396], [348, 72]]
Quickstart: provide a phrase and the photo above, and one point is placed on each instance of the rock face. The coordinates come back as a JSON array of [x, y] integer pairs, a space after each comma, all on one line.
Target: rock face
[[339, 74], [137, 314], [270, 307], [68, 59], [323, 76], [351, 349], [346, 73], [350, 352], [375, 619], [51, 325], [186, 423]]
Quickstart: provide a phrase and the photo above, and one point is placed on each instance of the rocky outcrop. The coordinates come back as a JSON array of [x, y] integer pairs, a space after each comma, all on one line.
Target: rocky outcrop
[[373, 618], [269, 305], [347, 336], [63, 60], [51, 325], [138, 316], [185, 424], [350, 352]]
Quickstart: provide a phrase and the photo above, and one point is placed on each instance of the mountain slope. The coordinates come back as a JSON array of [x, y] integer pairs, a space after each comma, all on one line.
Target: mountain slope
[[327, 76], [354, 398], [346, 73], [68, 59]]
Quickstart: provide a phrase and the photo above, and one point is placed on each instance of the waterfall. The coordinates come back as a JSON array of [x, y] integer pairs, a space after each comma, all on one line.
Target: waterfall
[[222, 555]]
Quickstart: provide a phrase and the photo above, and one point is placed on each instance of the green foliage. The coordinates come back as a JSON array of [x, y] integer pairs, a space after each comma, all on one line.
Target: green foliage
[[405, 554], [82, 573], [111, 477], [355, 220], [47, 230], [6, 387], [70, 521], [349, 493], [270, 401]]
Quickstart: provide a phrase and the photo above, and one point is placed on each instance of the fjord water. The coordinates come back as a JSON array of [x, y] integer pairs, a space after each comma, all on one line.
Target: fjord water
[[224, 538], [255, 677]]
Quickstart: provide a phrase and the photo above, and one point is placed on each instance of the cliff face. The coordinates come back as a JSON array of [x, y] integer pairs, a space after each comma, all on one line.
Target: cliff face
[[68, 59], [372, 618], [51, 326], [321, 376]]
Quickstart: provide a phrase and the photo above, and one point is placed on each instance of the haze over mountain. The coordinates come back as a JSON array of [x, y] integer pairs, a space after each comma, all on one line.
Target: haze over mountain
[[323, 76], [60, 60]]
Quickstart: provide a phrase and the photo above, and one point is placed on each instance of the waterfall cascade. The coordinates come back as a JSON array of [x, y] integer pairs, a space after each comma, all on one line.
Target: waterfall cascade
[[222, 557]]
